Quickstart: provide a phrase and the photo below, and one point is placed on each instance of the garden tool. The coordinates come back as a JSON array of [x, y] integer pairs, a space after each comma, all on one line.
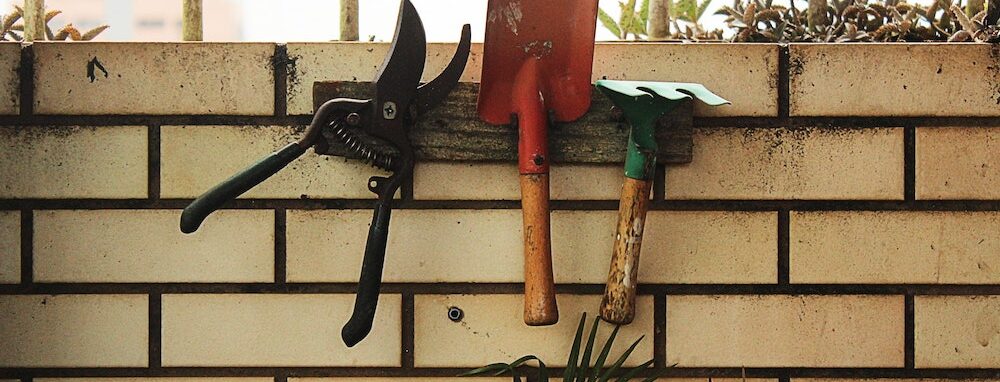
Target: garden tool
[[537, 60], [642, 103], [358, 124]]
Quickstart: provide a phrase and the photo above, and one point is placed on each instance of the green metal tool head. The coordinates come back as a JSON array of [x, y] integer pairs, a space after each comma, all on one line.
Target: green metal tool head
[[643, 102]]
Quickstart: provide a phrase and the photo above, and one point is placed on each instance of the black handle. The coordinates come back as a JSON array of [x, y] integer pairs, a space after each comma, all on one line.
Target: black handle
[[371, 277], [213, 199]]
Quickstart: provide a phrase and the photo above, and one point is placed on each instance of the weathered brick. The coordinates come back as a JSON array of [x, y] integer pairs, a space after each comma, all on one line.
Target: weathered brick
[[899, 247], [429, 245], [492, 181], [314, 62], [49, 162], [492, 330], [799, 163], [158, 379], [785, 331], [196, 158], [274, 330], [871, 80], [956, 331], [147, 246], [10, 83], [958, 163], [74, 331], [10, 247], [888, 380], [154, 78], [744, 74], [751, 85], [401, 379]]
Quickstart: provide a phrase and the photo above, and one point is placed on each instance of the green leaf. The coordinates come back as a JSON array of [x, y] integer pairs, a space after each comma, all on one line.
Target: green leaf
[[651, 379], [522, 360], [634, 371], [609, 23], [493, 367], [628, 14], [543, 372], [599, 363], [574, 352], [618, 364], [585, 361], [644, 11]]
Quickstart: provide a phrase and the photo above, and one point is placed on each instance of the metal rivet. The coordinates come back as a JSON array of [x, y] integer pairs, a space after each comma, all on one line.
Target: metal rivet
[[455, 314], [389, 110], [353, 119], [538, 160]]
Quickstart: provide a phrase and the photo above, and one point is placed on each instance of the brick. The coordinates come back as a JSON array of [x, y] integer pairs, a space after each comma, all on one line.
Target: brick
[[956, 331], [496, 181], [958, 163], [49, 162], [429, 245], [400, 379], [10, 247], [799, 163], [492, 330], [10, 83], [785, 331], [196, 158], [750, 83], [358, 62], [74, 331], [155, 78], [135, 246], [871, 80], [274, 330], [744, 74], [898, 247], [887, 380], [158, 379]]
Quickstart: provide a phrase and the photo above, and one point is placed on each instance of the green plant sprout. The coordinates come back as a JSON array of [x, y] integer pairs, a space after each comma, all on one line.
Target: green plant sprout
[[579, 367]]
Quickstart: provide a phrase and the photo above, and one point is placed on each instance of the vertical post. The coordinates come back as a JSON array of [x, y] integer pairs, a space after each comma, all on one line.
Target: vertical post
[[659, 19], [348, 20], [34, 20], [192, 24], [816, 14]]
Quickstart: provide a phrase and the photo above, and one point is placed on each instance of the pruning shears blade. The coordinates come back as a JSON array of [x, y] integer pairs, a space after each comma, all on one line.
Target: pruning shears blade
[[433, 93]]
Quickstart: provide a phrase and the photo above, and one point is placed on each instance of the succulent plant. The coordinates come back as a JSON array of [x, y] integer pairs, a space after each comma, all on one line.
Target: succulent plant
[[11, 30]]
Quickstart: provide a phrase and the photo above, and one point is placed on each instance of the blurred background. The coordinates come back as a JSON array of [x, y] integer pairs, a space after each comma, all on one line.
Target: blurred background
[[284, 20]]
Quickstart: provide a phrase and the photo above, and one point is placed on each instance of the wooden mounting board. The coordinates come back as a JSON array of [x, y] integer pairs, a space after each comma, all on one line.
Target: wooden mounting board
[[453, 132]]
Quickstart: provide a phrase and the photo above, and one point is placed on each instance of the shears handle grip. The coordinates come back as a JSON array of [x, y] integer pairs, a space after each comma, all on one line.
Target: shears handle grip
[[196, 212], [366, 301]]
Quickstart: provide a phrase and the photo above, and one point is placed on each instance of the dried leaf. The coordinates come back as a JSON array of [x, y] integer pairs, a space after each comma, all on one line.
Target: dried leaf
[[74, 34], [51, 14], [94, 32]]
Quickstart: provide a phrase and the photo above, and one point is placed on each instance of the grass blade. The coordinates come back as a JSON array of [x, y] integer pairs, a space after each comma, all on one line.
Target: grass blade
[[599, 363], [634, 371], [574, 352], [585, 361], [618, 364]]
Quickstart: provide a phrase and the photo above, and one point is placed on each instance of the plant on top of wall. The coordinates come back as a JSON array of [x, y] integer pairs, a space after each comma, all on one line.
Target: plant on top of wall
[[11, 30], [837, 21], [578, 367]]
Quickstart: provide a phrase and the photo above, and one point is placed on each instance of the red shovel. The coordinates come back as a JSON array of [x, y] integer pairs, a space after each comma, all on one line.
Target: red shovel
[[537, 61]]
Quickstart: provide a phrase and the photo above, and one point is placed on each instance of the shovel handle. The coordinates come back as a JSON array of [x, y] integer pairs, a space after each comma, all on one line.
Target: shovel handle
[[196, 212], [539, 286], [618, 304]]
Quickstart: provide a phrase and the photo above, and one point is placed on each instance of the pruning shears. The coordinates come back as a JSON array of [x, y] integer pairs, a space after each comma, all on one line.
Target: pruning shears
[[399, 99]]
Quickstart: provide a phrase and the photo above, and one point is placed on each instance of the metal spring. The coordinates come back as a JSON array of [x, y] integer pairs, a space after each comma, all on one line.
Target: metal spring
[[368, 154]]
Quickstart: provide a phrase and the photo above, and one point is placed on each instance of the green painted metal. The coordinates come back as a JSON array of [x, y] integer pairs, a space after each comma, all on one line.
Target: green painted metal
[[643, 102]]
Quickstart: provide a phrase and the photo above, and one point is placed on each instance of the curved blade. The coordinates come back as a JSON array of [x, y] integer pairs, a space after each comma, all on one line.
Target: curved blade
[[432, 93], [400, 73]]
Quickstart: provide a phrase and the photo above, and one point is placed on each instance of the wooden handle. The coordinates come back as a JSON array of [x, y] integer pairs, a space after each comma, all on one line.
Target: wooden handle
[[618, 305], [539, 287]]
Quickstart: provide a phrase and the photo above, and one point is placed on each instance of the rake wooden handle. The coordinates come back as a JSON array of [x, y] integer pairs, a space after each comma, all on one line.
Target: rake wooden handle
[[618, 304], [539, 287]]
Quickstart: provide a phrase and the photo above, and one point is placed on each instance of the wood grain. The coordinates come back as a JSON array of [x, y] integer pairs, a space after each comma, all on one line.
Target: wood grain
[[453, 132], [539, 285], [618, 304]]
